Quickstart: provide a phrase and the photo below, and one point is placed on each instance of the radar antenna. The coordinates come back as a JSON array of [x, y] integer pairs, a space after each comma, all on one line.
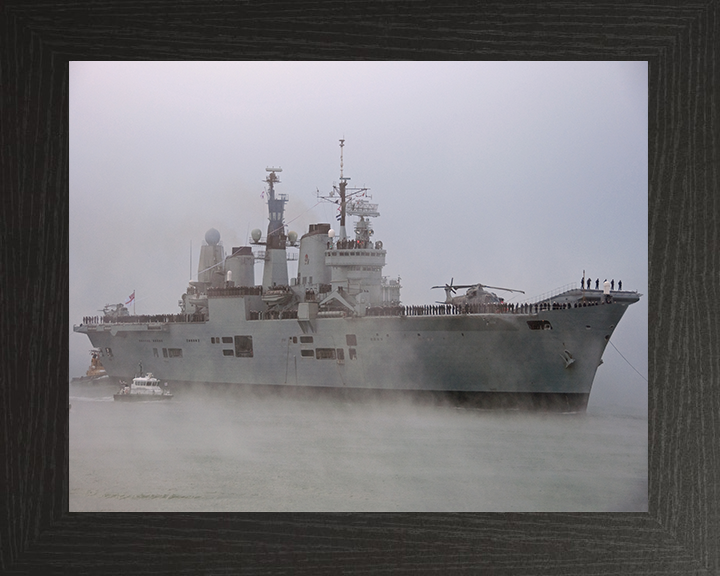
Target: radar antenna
[[352, 201]]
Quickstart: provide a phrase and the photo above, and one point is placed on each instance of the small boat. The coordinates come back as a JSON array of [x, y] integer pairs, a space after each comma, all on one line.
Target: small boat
[[95, 372], [145, 387]]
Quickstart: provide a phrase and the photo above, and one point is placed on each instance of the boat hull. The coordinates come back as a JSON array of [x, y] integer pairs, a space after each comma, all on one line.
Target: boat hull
[[90, 379], [551, 402], [141, 397]]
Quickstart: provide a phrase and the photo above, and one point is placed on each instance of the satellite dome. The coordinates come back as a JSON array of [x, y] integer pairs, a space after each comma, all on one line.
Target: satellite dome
[[292, 237], [256, 234], [212, 237], [331, 233]]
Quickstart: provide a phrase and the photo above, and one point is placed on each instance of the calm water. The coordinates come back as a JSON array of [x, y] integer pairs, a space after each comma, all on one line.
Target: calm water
[[232, 452]]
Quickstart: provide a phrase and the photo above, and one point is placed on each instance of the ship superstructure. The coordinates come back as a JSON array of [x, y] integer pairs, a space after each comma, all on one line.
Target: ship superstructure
[[339, 323], [275, 271]]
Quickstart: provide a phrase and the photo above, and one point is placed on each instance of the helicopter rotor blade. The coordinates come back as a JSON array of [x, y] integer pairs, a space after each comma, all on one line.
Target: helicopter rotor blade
[[500, 288], [451, 287]]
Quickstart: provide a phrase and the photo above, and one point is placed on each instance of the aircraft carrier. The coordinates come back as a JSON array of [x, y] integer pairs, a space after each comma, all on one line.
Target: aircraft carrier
[[340, 326]]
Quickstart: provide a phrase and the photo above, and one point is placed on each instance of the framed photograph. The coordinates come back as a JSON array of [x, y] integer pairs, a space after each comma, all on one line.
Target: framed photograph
[[672, 531]]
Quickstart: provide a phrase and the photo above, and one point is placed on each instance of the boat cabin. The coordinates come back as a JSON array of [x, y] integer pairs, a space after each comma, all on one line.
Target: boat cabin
[[146, 384]]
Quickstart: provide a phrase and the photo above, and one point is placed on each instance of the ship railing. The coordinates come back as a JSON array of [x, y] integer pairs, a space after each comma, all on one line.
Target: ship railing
[[435, 310], [146, 319], [273, 315], [235, 291], [357, 252], [354, 245], [490, 308], [551, 293]]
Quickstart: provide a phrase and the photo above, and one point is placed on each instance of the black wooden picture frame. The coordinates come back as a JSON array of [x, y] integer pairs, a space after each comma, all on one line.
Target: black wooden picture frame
[[679, 535]]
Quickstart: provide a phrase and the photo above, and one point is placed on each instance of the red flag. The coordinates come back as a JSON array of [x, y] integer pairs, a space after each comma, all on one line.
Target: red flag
[[130, 298]]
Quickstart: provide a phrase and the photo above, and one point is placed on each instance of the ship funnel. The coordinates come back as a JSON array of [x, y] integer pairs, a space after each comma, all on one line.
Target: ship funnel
[[241, 264]]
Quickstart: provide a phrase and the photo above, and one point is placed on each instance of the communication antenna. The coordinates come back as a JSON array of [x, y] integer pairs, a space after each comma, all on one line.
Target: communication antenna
[[342, 143]]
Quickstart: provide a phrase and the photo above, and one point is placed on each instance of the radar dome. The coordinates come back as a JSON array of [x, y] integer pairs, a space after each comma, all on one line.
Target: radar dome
[[331, 233], [256, 234], [292, 237], [212, 237]]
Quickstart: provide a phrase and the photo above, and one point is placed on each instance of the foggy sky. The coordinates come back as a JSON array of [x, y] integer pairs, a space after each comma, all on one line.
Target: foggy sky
[[515, 174]]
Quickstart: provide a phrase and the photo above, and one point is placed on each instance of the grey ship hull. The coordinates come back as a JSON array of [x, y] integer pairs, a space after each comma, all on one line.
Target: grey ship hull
[[492, 358]]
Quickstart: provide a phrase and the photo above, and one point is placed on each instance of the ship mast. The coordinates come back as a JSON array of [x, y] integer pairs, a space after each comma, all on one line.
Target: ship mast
[[343, 185], [353, 202], [275, 270], [276, 212]]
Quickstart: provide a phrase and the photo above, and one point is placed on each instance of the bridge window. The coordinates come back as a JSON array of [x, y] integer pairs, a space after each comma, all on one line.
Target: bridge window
[[174, 352], [306, 339], [228, 352], [307, 353]]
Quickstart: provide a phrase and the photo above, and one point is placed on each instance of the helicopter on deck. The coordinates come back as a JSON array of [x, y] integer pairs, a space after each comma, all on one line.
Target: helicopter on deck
[[475, 294]]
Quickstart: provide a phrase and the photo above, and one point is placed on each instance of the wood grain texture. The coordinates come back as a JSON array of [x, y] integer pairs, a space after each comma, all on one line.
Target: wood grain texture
[[681, 532]]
